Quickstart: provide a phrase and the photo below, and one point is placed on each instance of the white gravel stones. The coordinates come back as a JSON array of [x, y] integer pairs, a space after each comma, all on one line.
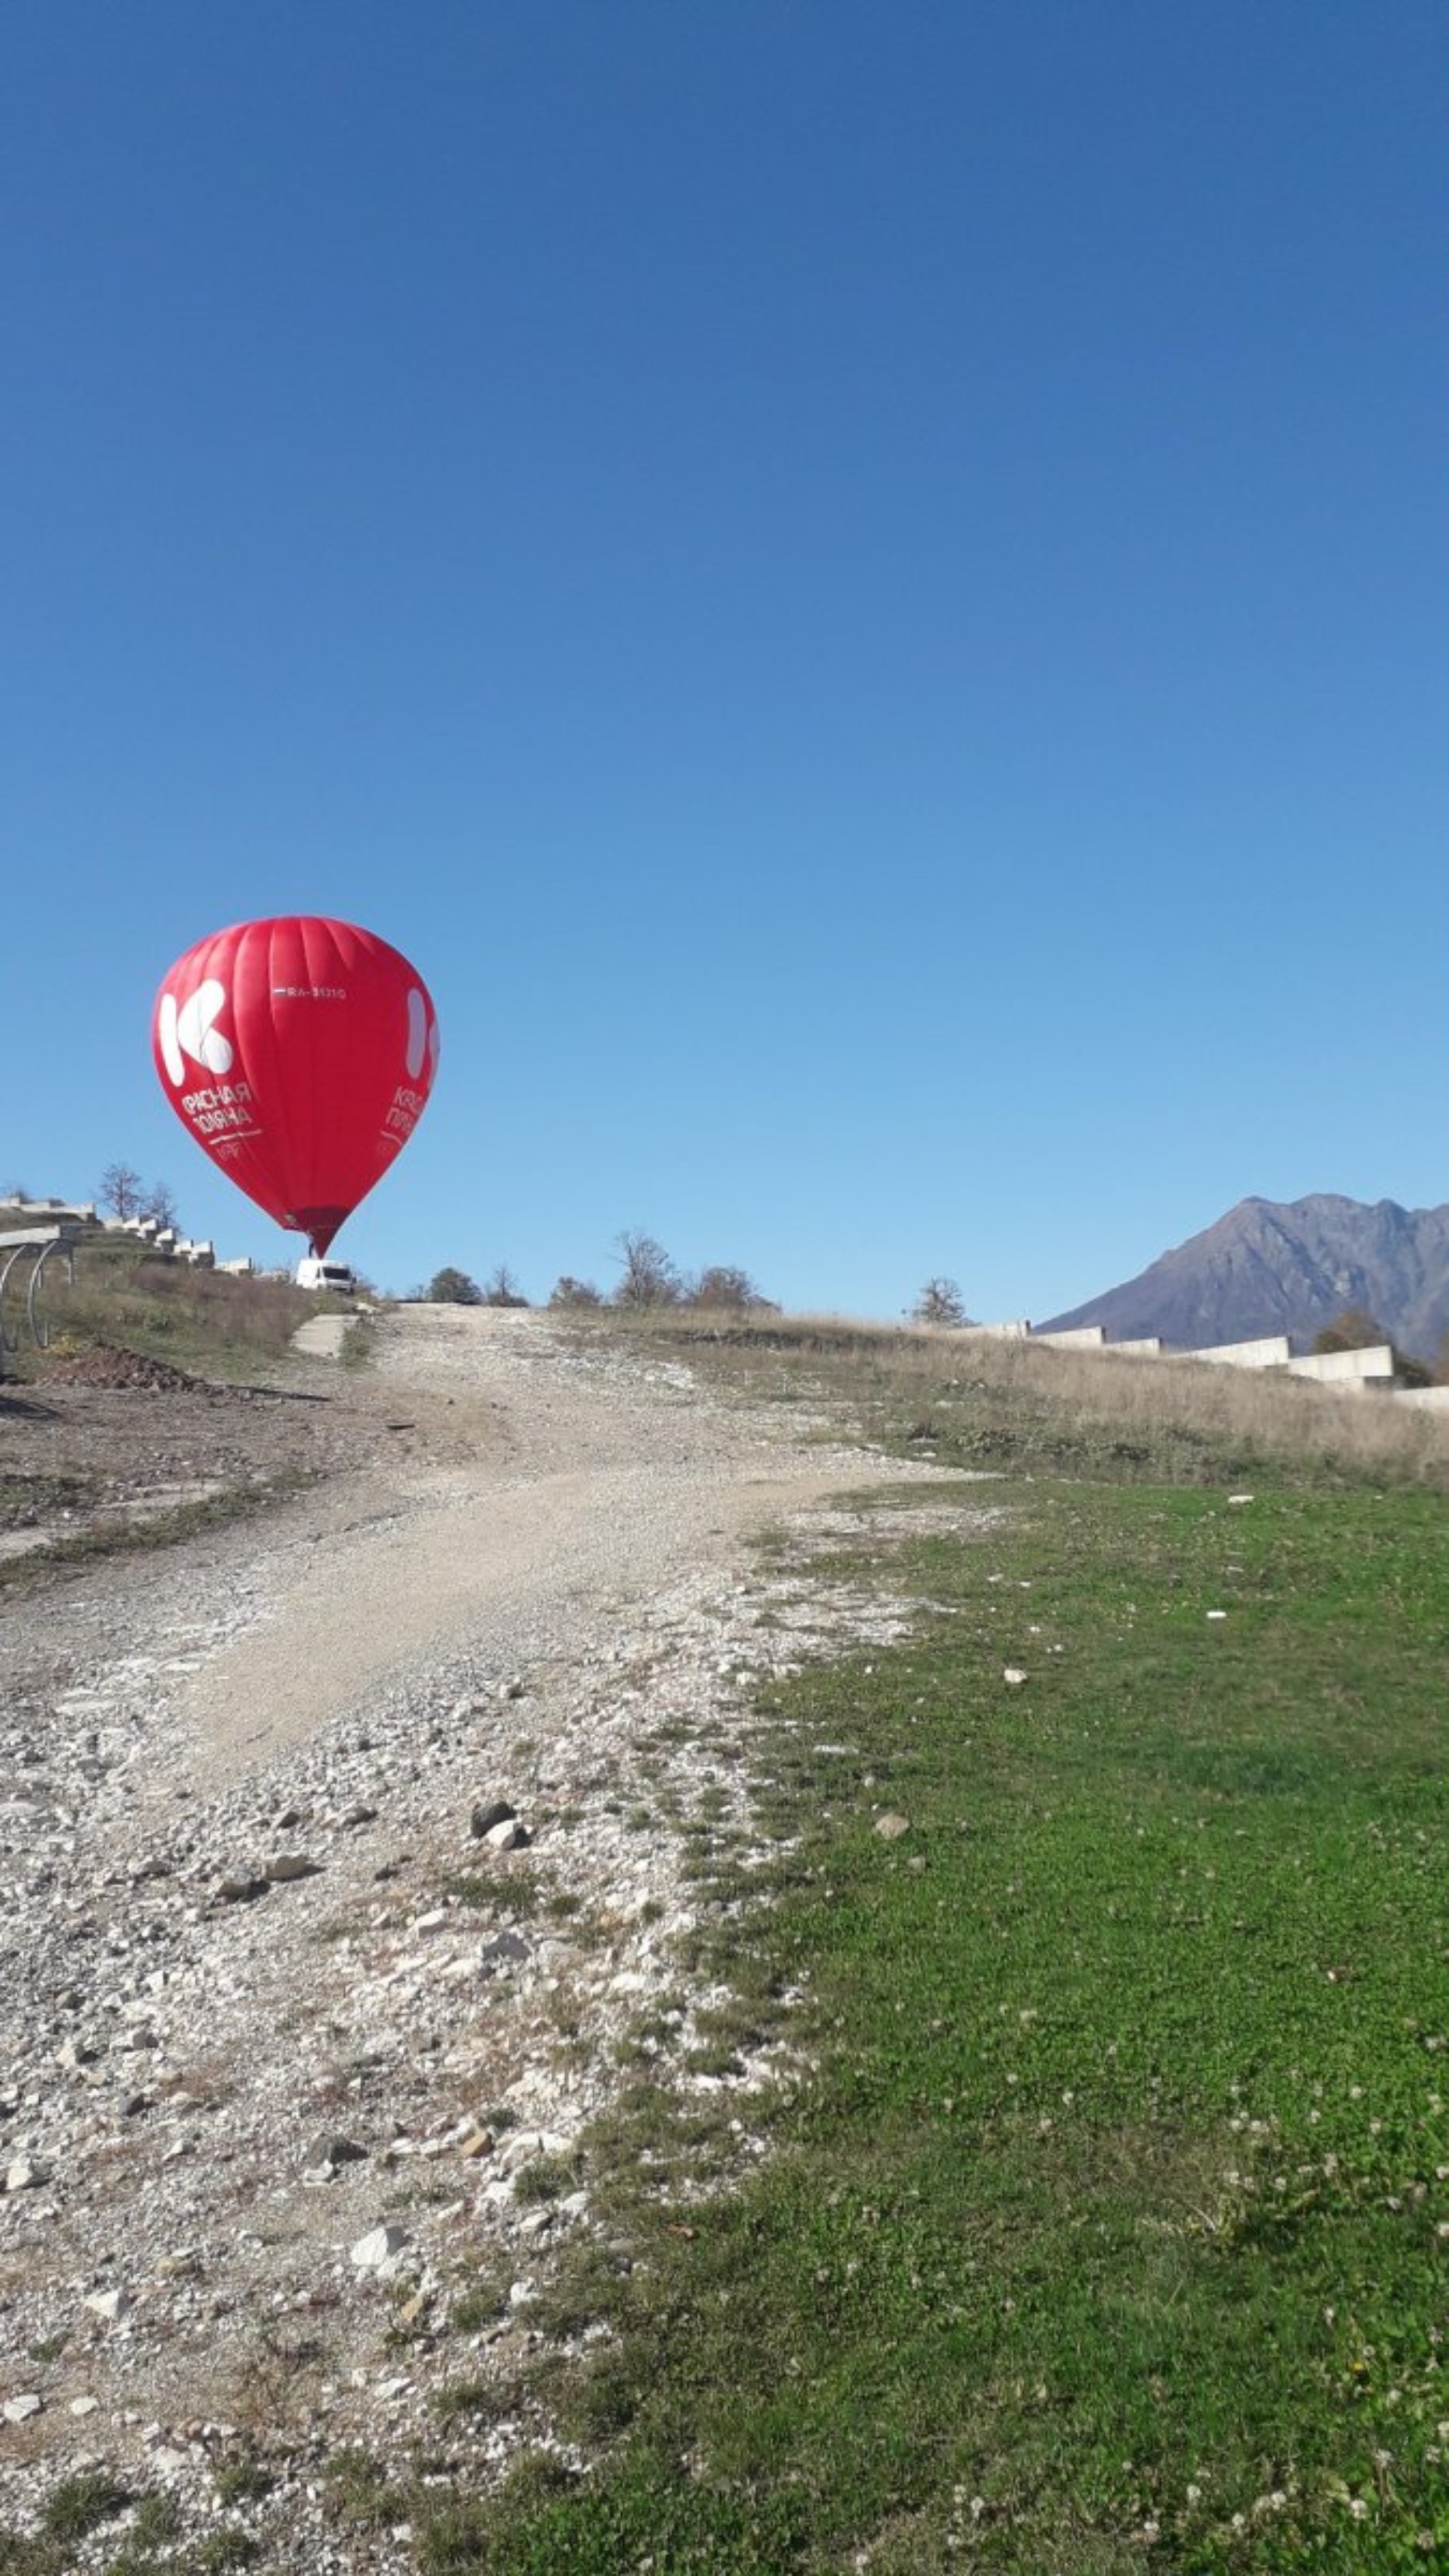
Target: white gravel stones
[[228, 2083]]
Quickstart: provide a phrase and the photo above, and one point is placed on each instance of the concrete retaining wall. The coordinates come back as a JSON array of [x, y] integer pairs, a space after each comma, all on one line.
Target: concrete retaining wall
[[1358, 1372], [1371, 1367], [1271, 1352]]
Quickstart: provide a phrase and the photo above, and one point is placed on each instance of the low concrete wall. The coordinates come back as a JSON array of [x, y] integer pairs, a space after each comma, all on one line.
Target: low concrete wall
[[1081, 1337], [1435, 1397], [1272, 1352], [1019, 1332], [1148, 1349], [1371, 1367]]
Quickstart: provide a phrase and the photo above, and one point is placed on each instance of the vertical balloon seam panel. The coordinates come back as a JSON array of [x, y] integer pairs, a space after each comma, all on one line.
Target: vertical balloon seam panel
[[328, 1057], [265, 941]]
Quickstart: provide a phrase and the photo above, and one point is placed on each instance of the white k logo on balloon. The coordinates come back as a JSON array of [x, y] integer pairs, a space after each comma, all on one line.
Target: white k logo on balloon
[[190, 1030], [422, 1046]]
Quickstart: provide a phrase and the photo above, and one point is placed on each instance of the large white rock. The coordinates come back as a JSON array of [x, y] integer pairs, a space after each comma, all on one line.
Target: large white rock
[[372, 2251]]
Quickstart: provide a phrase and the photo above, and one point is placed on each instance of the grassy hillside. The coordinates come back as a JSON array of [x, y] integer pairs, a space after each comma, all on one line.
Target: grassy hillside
[[1101, 2232], [977, 1403], [128, 1298]]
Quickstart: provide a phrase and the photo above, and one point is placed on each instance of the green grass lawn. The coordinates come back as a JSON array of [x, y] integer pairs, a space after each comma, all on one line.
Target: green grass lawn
[[1102, 2234]]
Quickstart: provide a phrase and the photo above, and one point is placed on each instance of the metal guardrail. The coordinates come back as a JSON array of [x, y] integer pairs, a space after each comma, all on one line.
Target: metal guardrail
[[40, 1241]]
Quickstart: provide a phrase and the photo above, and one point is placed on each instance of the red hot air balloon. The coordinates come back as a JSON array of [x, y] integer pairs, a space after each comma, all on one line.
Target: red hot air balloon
[[300, 1054]]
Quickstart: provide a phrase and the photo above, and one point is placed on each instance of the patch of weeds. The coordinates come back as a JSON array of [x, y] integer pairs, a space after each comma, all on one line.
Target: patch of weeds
[[515, 1892], [221, 2551], [475, 2311], [243, 2481], [80, 2504], [359, 2493], [276, 2380], [155, 2522], [487, 2401], [460, 2541], [585, 2290], [547, 2178], [22, 2556], [715, 2058], [563, 1904]]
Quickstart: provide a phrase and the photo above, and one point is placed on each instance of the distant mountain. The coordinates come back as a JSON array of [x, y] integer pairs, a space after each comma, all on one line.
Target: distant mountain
[[1266, 1268]]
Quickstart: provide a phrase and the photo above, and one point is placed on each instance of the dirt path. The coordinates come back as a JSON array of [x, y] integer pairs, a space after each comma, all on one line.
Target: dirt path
[[530, 1491], [280, 2026]]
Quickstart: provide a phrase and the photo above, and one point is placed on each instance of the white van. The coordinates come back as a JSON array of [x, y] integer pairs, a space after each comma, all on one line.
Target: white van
[[326, 1274]]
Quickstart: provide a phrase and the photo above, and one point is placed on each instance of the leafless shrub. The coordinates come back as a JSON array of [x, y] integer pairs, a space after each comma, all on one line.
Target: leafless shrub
[[502, 1289], [650, 1278], [567, 1291], [275, 2385], [723, 1286], [940, 1302]]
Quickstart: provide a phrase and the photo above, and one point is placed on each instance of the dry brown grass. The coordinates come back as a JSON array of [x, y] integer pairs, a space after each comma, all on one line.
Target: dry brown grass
[[201, 1320], [972, 1400]]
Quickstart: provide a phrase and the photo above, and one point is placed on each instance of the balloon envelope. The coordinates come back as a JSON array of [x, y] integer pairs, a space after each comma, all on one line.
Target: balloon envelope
[[299, 1053]]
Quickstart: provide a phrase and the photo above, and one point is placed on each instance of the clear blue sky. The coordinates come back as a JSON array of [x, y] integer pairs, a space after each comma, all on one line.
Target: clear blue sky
[[863, 588]]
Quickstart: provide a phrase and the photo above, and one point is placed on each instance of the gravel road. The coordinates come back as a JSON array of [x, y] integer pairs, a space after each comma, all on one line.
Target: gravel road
[[271, 2067]]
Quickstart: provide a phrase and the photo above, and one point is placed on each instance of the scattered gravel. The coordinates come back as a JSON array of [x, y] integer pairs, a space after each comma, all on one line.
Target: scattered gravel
[[315, 1832]]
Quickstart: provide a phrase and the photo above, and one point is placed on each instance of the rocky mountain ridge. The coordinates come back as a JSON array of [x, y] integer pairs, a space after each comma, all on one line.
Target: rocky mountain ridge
[[1270, 1266]]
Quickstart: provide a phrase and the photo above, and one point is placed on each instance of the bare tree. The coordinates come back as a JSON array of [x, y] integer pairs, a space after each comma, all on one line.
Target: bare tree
[[122, 1190], [159, 1203], [940, 1302], [503, 1289], [650, 1277], [574, 1292]]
